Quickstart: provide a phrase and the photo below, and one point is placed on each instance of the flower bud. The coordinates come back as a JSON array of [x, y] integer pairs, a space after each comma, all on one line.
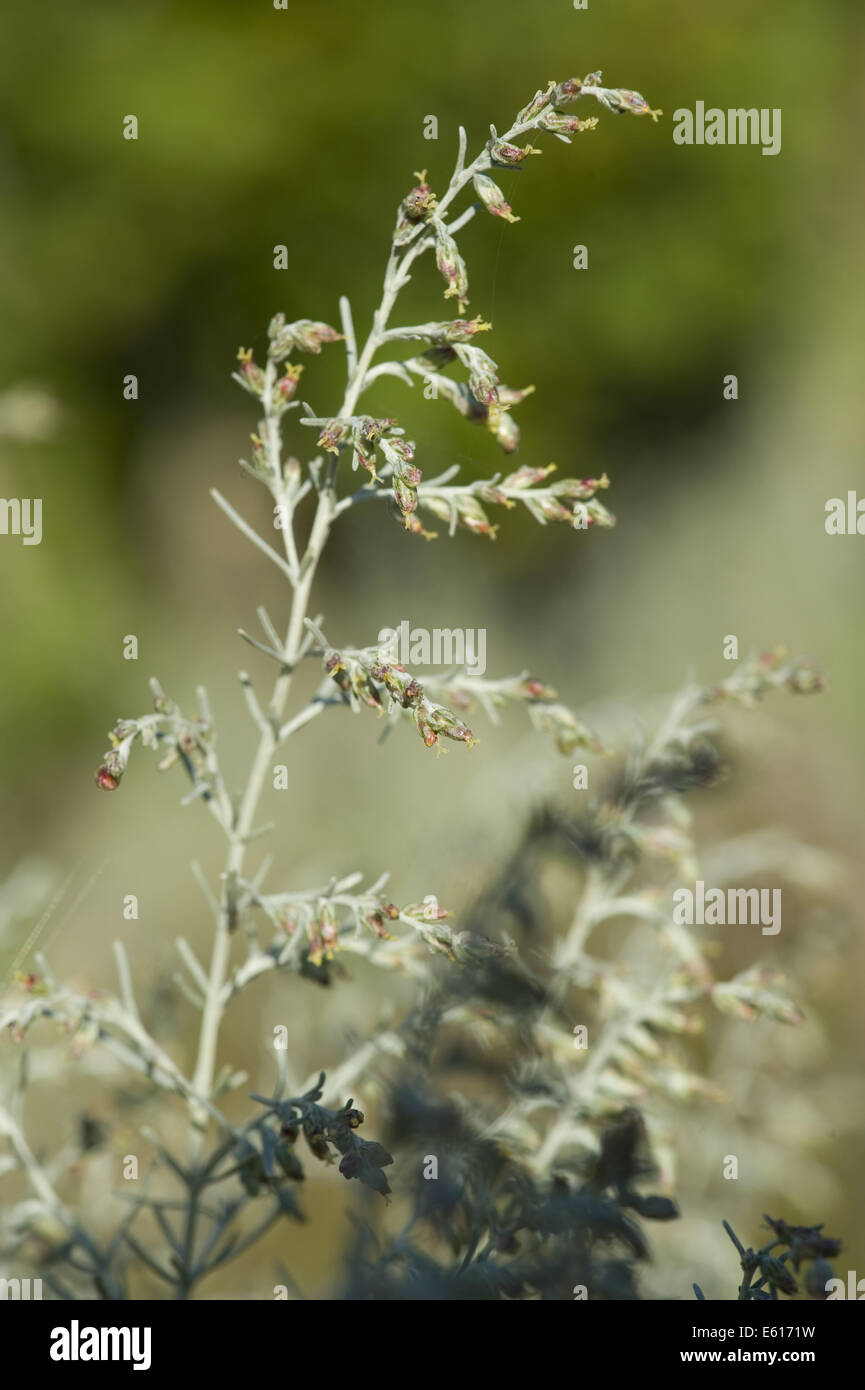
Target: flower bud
[[405, 495], [552, 509], [329, 931], [287, 384], [437, 505], [282, 339], [364, 454], [621, 100], [512, 395], [250, 375], [332, 436], [316, 1141], [473, 517], [560, 124], [503, 153], [581, 488], [398, 451], [536, 690], [372, 429], [416, 208], [451, 266], [567, 91], [306, 334], [806, 679], [535, 106], [504, 428], [112, 769], [376, 921], [419, 203], [598, 515], [462, 330], [483, 377], [430, 911], [442, 721], [310, 336], [29, 982], [527, 476], [493, 198]]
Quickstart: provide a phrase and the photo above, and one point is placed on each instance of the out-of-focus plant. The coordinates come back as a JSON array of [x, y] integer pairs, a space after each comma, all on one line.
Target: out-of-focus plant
[[527, 1208], [765, 1274]]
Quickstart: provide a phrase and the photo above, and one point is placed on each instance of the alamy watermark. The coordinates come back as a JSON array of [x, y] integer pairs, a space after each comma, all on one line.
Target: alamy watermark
[[21, 516], [20, 1289], [733, 127], [845, 518], [77, 1343], [712, 907], [439, 646]]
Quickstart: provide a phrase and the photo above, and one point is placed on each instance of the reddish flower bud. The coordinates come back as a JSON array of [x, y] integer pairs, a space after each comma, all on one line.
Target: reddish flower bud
[[493, 198], [306, 335], [622, 100], [419, 203], [332, 436], [503, 153], [405, 495], [451, 266], [535, 106], [560, 124], [461, 330], [287, 383], [567, 91], [250, 374], [310, 336]]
